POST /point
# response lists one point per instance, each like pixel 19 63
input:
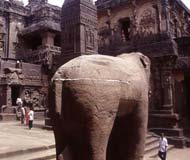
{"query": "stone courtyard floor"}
pixel 176 154
pixel 17 139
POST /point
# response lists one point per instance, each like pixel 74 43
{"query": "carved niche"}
pixel 147 22
pixel 13 75
pixel 36 97
pixel 89 36
pixel 2 35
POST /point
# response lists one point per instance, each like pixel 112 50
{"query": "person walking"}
pixel 31 118
pixel 163 144
pixel 23 113
pixel 19 102
pixel 27 115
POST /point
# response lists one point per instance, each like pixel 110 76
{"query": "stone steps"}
pixel 152 146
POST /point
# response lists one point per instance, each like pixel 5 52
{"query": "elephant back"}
pixel 100 67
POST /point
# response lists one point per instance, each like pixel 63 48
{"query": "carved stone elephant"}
pixel 100 107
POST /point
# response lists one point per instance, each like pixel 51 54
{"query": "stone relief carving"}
pixel 68 38
pixel 2 33
pixel 113 36
pixel 175 25
pixel 1 46
pixel 89 35
pixel 14 75
pixel 147 22
pixel 36 97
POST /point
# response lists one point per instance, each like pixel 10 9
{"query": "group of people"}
pixel 27 112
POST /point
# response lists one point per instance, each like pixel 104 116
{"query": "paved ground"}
pixel 177 154
pixel 15 137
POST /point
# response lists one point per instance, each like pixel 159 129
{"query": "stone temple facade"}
pixel 161 30
pixel 29 38
pixel 31 42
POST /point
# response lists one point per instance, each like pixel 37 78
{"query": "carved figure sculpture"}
pixel 101 107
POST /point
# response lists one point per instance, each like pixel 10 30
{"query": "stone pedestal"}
pixel 48 123
pixel 163 119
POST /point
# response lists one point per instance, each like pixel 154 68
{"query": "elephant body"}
pixel 101 107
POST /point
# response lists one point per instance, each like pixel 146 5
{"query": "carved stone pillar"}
pixel 134 18
pixel 156 89
pixel 48 38
pixel 9 99
pixel 167 89
pixel 166 10
pixel 157 7
pixel 79 28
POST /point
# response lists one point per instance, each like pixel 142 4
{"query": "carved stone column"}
pixel 157 7
pixel 167 89
pixel 9 99
pixel 79 28
pixel 134 18
pixel 48 38
pixel 156 88
pixel 167 83
pixel 166 10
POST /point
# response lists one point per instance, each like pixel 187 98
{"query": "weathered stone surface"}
pixel 101 105
pixel 160 30
pixel 25 54
pixel 79 27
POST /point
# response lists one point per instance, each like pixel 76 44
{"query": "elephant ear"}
pixel 145 61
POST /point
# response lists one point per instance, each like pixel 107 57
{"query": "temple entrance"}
pixel 15 93
pixel 125 28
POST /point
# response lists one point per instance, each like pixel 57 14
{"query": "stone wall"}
pixel 150 21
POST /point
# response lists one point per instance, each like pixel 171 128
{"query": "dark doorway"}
pixel 15 94
pixel 57 41
pixel 125 28
pixel 32 42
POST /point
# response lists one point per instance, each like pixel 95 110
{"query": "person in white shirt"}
pixel 31 117
pixel 19 102
pixel 163 144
